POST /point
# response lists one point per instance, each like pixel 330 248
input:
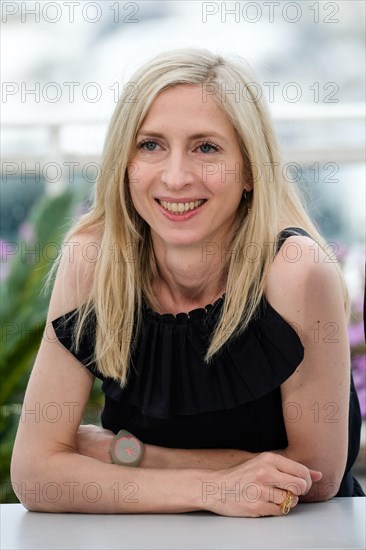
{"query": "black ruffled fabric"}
pixel 172 379
pixel 169 376
pixel 64 330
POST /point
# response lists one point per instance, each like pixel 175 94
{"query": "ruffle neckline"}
pixel 184 317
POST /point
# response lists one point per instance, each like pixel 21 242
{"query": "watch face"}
pixel 127 449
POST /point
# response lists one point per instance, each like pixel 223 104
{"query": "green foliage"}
pixel 18 195
pixel 23 317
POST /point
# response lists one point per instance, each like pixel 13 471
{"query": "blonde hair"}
pixel 120 282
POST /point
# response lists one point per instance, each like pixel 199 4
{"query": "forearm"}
pixel 220 459
pixel 69 482
pixel 209 459
pixel 95 442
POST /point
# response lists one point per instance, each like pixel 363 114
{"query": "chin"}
pixel 181 240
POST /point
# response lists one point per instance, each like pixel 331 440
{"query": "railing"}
pixel 308 118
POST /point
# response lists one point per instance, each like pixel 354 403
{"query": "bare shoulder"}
pixel 75 272
pixel 304 285
pixel 301 261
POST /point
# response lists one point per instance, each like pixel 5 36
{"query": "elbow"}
pixel 21 483
pixel 323 490
pixel 32 495
pixel 332 474
pixel 320 492
pixel 25 483
pixel 39 483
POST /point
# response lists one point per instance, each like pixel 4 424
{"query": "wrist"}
pixel 105 449
pixel 94 441
pixel 206 486
pixel 155 457
pixel 102 444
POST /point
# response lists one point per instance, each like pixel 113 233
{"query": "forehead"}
pixel 187 103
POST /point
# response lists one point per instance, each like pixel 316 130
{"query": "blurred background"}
pixel 63 67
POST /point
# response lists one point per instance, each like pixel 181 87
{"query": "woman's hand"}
pixel 95 442
pixel 257 487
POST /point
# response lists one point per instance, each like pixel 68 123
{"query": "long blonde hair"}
pixel 123 277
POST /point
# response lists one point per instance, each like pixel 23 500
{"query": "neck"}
pixel 189 276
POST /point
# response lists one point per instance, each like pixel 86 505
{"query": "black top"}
pixel 173 399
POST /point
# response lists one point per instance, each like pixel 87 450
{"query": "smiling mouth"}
pixel 181 207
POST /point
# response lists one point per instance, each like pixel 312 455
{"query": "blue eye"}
pixel 207 146
pixel 148 145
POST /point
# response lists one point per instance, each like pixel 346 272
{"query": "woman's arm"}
pixel 308 294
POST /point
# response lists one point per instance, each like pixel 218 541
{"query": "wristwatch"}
pixel 126 449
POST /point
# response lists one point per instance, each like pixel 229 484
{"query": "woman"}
pixel 223 355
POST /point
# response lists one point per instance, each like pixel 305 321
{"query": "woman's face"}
pixel 186 174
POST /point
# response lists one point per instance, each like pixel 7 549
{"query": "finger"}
pixel 280 496
pixel 300 474
pixel 276 491
pixel 292 467
pixel 271 508
pixel 315 475
pixel 297 485
pixel 288 466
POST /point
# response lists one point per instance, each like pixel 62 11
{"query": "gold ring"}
pixel 286 504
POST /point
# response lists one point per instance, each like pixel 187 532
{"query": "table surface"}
pixel 337 523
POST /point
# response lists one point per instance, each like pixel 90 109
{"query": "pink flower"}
pixel 356 334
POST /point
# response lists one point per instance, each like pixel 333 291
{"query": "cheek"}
pixel 132 173
pixel 138 176
pixel 138 185
pixel 226 184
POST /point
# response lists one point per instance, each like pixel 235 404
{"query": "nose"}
pixel 177 171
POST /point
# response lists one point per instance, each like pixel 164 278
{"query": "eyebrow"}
pixel 200 135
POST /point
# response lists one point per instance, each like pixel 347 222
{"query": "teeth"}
pixel 179 207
